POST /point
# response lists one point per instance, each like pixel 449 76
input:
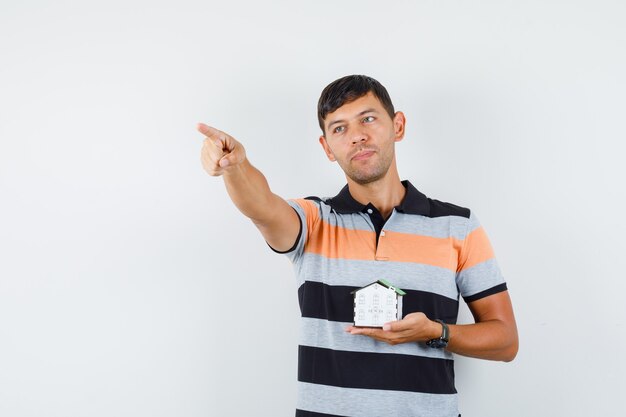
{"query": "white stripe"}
pixel 374 403
pixel 326 334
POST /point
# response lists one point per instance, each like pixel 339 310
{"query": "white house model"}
pixel 377 303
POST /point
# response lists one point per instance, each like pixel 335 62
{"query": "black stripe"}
pixel 415 202
pixel 486 293
pixel 304 413
pixel 382 371
pixel 442 209
pixel 335 303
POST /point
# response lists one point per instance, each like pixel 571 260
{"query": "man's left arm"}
pixel 493 336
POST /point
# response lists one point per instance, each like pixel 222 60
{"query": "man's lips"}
pixel 364 154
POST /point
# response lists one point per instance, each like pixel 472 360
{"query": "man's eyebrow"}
pixel 334 122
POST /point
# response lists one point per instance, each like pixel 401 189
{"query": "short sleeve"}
pixel 308 213
pixel 478 274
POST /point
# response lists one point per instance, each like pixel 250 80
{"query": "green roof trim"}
pixel 391 287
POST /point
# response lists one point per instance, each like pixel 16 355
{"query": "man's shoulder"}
pixel 416 202
pixel 441 208
pixel 316 199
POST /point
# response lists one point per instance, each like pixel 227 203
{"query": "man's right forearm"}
pixel 275 219
pixel 224 156
pixel 250 192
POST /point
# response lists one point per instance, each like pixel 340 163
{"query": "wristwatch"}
pixel 442 341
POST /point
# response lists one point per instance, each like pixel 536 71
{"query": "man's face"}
pixel 360 136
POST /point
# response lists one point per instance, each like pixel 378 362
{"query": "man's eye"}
pixel 369 119
pixel 339 129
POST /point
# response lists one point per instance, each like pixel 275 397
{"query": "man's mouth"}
pixel 364 154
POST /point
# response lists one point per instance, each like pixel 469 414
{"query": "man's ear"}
pixel 399 123
pixel 327 150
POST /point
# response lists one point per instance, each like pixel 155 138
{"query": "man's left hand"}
pixel 414 327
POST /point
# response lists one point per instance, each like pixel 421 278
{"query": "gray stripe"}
pixel 296 254
pixel 404 275
pixel 374 403
pixel 332 335
pixel 354 221
pixel 474 223
pixel 439 227
pixel 479 278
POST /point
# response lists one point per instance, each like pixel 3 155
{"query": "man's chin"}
pixel 365 179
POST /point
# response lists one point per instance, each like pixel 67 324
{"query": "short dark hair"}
pixel 347 89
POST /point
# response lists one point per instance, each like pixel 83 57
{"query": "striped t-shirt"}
pixel 434 251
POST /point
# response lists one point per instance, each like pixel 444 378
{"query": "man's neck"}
pixel 384 194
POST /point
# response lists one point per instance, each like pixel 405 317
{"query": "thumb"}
pixel 388 327
pixel 232 158
pixel 394 326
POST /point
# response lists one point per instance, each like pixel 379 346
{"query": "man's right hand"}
pixel 220 151
pixel 248 189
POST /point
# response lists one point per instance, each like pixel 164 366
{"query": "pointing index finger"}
pixel 214 135
pixel 210 132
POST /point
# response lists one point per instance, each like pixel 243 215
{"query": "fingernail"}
pixel 386 327
pixel 224 163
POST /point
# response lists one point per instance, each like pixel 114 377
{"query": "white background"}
pixel 131 286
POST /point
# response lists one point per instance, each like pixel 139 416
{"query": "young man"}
pixel 376 227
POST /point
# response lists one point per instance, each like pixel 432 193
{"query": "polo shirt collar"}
pixel 414 202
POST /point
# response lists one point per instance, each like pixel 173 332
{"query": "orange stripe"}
pixel 453 254
pixel 338 242
pixel 404 247
pixel 311 212
pixel 476 249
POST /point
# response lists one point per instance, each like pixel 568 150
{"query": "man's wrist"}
pixel 435 330
pixel 237 170
pixel 442 339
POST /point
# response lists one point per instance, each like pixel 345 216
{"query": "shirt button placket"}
pixel 381 254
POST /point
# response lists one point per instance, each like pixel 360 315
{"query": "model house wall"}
pixel 376 304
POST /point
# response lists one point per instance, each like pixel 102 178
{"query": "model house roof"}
pixel 385 284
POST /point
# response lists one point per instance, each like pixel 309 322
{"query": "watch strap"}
pixel 443 340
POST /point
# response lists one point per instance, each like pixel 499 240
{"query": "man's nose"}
pixel 358 136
